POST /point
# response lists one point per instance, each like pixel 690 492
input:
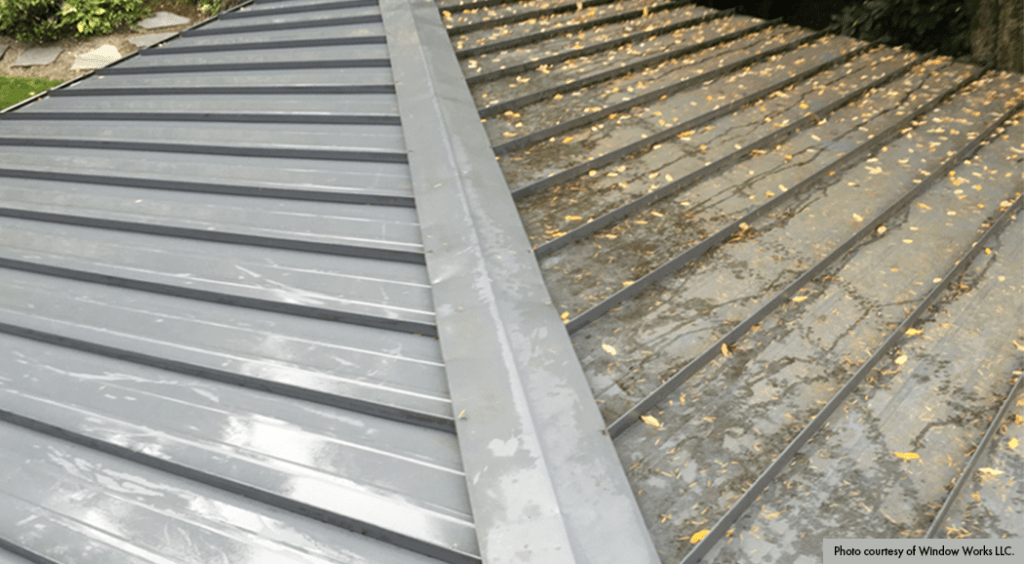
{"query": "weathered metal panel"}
pixel 736 236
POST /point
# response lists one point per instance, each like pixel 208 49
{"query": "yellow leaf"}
pixel 911 332
pixel 857 218
pixel 991 471
pixel 1019 346
pixel 682 399
pixel 573 218
pixel 568 139
pixel 725 350
pixel 988 251
pixel 1018 419
pixel 1013 443
pixel 923 206
pixel 565 315
pixel 901 360
pixel 907 455
pixel 799 299
pixel 651 420
pixel 609 349
pixel 881 229
pixel 698 535
pixel 803 106
pixel 908 241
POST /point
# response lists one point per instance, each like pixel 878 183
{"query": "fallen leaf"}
pixel 682 399
pixel 573 218
pixel 991 471
pixel 698 535
pixel 1013 443
pixel 799 299
pixel 651 420
pixel 923 206
pixel 1019 346
pixel 609 349
pixel 881 229
pixel 725 350
pixel 911 332
pixel 565 315
pixel 908 241
pixel 907 455
pixel 857 217
pixel 743 227
pixel 901 360
pixel 568 139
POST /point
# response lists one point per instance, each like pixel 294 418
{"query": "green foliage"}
pixel 14 90
pixel 924 25
pixel 50 20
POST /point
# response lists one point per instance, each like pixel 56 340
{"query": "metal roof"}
pixel 237 322
pixel 794 255
pixel 508 281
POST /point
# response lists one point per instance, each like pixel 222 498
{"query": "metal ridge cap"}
pixel 545 482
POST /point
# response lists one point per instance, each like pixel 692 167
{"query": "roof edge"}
pixel 545 482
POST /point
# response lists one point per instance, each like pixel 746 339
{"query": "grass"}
pixel 14 90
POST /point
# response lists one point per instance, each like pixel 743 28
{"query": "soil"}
pixel 60 69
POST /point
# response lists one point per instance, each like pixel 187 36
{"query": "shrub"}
pixel 925 25
pixel 49 20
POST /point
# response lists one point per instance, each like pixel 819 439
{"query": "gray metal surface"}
pixel 544 481
pixel 217 332
pixel 678 211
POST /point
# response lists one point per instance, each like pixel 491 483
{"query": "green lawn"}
pixel 14 90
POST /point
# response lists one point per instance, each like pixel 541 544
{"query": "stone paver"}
pixel 144 41
pixel 97 58
pixel 163 19
pixel 37 56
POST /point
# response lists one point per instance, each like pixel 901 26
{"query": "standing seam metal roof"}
pixel 266 296
pixel 782 256
pixel 224 282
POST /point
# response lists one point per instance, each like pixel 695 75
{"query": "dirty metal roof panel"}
pixel 266 298
pixel 777 253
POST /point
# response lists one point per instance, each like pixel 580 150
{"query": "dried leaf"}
pixel 991 471
pixel 799 299
pixel 565 315
pixel 651 420
pixel 907 455
pixel 698 535
pixel 911 332
pixel 857 217
pixel 573 218
pixel 568 139
pixel 881 229
pixel 1019 346
pixel 682 399
pixel 1013 443
pixel 908 241
pixel 923 206
pixel 609 349
pixel 725 350
pixel 901 360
